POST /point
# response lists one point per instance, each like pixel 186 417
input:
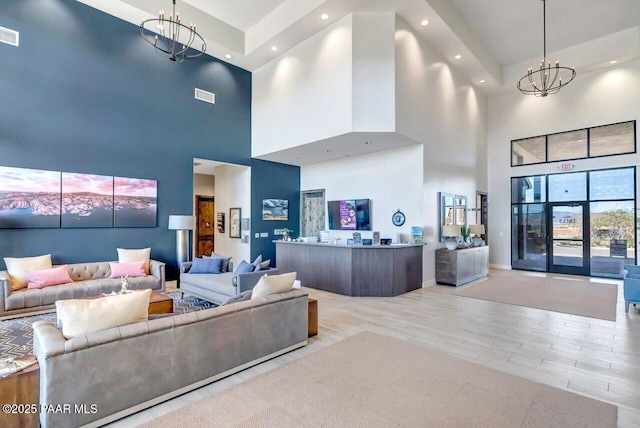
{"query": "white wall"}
pixel 304 95
pixel 437 106
pixel 233 190
pixel 391 179
pixel 373 75
pixel 597 98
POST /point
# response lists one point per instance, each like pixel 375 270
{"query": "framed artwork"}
pixel 235 222
pixel 87 200
pixel 29 198
pixel 275 209
pixel 135 202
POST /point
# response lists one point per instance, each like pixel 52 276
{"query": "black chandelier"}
pixel 547 79
pixel 167 39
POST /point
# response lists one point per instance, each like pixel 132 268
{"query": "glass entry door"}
pixel 568 242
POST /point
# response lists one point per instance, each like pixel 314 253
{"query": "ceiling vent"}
pixel 9 37
pixel 207 97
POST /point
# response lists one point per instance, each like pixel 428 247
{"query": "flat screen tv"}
pixel 349 214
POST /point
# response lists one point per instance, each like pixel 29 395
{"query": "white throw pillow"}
pixel 130 256
pixel 18 267
pixel 83 316
pixel 273 284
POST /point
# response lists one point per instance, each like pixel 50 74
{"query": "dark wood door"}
pixel 205 209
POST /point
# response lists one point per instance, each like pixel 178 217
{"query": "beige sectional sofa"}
pixel 126 369
pixel 89 279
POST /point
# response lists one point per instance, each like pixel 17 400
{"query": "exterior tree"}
pixel 616 224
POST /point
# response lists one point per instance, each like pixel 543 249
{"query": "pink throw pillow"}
pixel 127 269
pixel 47 277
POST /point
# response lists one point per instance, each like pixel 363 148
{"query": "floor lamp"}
pixel 182 224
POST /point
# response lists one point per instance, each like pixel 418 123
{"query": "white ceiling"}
pixel 498 40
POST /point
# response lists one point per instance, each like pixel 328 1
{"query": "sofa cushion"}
pixel 218 283
pixel 47 277
pixel 18 266
pixel 132 269
pixel 225 261
pixel 84 316
pixel 135 255
pixel 273 284
pixel 257 262
pixel 265 264
pixel 208 265
pixel 243 267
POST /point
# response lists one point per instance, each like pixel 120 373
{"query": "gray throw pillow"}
pixel 257 261
pixel 265 264
pixel 245 295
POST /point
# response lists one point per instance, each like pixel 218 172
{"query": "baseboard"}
pixel 429 283
pixel 502 267
pixel 185 389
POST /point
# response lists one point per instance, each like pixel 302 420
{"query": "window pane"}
pixel 528 189
pixel 612 227
pixel 612 184
pixel 528 247
pixel 568 187
pixel 612 139
pixel 528 150
pixel 568 145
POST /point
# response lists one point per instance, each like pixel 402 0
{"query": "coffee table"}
pixel 20 391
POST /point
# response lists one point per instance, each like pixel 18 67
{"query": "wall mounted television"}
pixel 349 214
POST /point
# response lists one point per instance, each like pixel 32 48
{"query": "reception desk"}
pixel 372 271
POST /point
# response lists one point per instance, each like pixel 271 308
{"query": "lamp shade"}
pixel 450 230
pixel 477 229
pixel 181 222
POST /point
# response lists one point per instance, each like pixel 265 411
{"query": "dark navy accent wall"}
pixel 275 181
pixel 84 93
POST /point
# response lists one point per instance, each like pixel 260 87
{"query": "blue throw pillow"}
pixel 206 266
pixel 243 267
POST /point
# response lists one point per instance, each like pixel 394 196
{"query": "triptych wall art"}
pixel 34 198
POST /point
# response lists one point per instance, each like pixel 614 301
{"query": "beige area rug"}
pixel 569 296
pixel 370 380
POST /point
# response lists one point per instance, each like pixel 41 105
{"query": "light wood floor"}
pixel 600 359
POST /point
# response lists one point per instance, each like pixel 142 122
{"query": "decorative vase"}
pixel 477 241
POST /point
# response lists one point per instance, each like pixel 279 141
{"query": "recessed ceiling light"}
pixel 367 142
pixel 615 61
pixel 457 57
pixel 228 56
pixel 324 16
pixel 482 81
pixel 274 48
pixel 424 22
pixel 297 158
pixel 328 151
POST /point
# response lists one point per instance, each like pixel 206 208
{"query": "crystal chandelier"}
pixel 164 34
pixel 547 79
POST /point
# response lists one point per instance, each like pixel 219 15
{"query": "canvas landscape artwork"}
pixel 275 209
pixel 135 202
pixel 29 198
pixel 87 200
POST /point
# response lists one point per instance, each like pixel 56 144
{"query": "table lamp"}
pixel 451 232
pixel 477 230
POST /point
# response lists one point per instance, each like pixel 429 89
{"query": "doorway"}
pixel 204 240
pixel 482 213
pixel 568 238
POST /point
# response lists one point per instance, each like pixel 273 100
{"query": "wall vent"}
pixel 9 37
pixel 207 97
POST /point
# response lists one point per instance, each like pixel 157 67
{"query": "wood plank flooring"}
pixel 592 357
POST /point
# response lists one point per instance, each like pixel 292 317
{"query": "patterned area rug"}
pixel 16 335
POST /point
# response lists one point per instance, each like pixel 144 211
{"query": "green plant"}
pixel 465 231
pixel 287 231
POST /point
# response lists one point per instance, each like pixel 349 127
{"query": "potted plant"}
pixel 286 233
pixel 465 233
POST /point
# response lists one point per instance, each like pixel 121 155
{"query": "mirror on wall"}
pixel 453 210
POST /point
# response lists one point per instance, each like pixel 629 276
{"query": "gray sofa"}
pixel 89 279
pixel 126 369
pixel 218 288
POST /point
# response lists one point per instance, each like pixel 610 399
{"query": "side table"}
pixel 21 388
pixel 313 317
